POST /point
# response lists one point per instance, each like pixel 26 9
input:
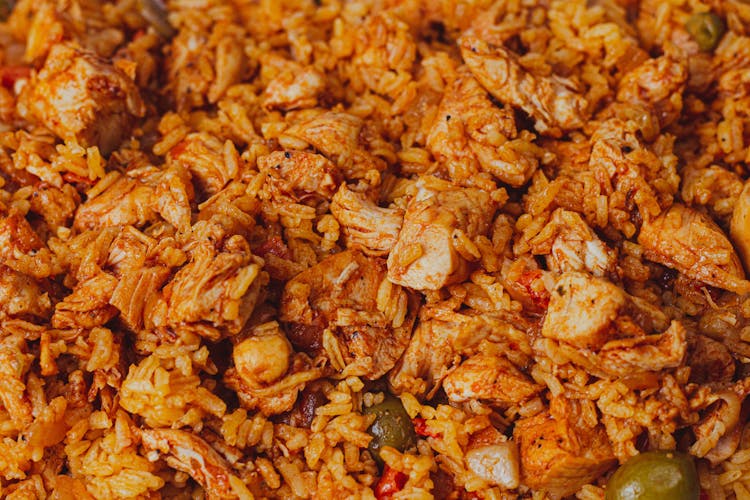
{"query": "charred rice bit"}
pixel 228 228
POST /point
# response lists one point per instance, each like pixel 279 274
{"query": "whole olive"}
pixel 706 28
pixel 655 475
pixel 392 427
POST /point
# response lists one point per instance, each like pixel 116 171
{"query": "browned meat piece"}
pixel 552 101
pixel 294 87
pixel 690 242
pixel 349 295
pixel 337 135
pixel 709 360
pixel 437 344
pixel 21 295
pixel 172 197
pixel 574 246
pixel 300 174
pixel 83 98
pixel 186 452
pixel 22 250
pixel 489 377
pixel 219 286
pixel 126 201
pixel 623 357
pixel 366 226
pixel 211 162
pixel 88 305
pixel 582 309
pixel 559 451
pixel 431 250
pixel 470 134
pixel 657 84
pixel 56 205
pixel 137 295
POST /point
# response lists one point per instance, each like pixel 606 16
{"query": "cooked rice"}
pixel 228 227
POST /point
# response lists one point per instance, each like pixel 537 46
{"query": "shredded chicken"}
pixel 739 227
pixel 192 455
pixel 434 247
pixel 551 100
pixel 83 98
pixel 470 134
pixel 691 243
pixel 560 450
pixel 366 226
pixel 300 174
pixel 348 295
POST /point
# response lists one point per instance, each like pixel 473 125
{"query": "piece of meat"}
pixel 187 452
pixel 83 98
pixel 658 85
pixel 22 250
pixel 137 295
pixel 172 197
pixel 431 248
pixel 438 342
pixel 552 101
pixel 349 294
pixel 739 226
pixel 574 246
pixel 219 286
pixel 624 357
pixel 300 174
pixel 582 309
pixel 56 205
pixel 489 377
pixel 366 226
pixel 560 452
pixel 690 242
pixel 212 163
pixel 22 296
pixel 494 459
pixel 127 201
pixel 337 136
pixel 709 360
pixel 470 134
pixel 88 305
pixel 294 88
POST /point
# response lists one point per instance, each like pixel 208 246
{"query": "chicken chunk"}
pixel 125 202
pixel 82 98
pixel 438 343
pixel 188 453
pixel 431 250
pixel 22 296
pixel 366 226
pixel 88 305
pixel 471 134
pixel 337 136
pixel 348 295
pixel 709 360
pixel 657 84
pixel 219 286
pixel 582 309
pixel 22 250
pixel 575 246
pixel 297 87
pixel 739 226
pixel 690 242
pixel 489 377
pixel 552 101
pixel 300 174
pixel 211 162
pixel 561 452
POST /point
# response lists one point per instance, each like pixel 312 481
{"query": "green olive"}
pixel 655 475
pixel 392 427
pixel 707 29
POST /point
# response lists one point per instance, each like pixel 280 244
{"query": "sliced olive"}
pixel 706 28
pixel 392 427
pixel 655 475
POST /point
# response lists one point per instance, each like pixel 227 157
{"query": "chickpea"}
pixel 262 359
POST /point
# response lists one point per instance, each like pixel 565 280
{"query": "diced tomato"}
pixel 9 75
pixel 539 295
pixel 391 482
pixel 420 427
pixel 274 246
